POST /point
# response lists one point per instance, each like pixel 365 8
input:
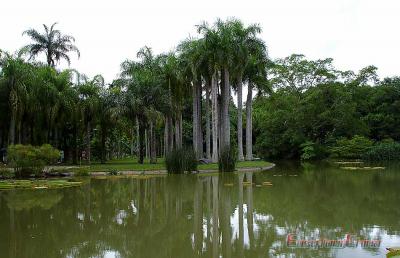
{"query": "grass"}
pixel 131 164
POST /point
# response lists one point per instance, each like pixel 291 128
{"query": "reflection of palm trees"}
pixel 241 238
pixel 198 216
pixel 215 235
pixel 249 176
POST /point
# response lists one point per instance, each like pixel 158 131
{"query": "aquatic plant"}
pixel 82 171
pixel 386 150
pixel 227 160
pixel 180 160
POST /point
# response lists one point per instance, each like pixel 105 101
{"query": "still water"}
pixel 226 215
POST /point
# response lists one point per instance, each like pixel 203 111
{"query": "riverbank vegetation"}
pixel 295 107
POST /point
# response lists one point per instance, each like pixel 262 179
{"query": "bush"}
pixel 353 148
pixel 28 159
pixel 113 172
pixel 307 151
pixel 82 171
pixel 181 160
pixel 383 151
pixel 5 173
pixel 227 160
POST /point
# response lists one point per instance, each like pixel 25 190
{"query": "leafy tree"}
pixel 52 43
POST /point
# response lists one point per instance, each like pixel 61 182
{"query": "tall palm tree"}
pixel 256 76
pixel 52 43
pixel 15 76
pixel 245 38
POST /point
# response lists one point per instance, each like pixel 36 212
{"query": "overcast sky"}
pixel 356 33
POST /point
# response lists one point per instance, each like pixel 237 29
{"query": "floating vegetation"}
pixel 36 184
pixel 277 175
pixel 362 168
pixel 348 162
pixel 228 184
pixel 267 184
pixel 292 175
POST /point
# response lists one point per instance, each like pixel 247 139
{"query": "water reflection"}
pixel 228 215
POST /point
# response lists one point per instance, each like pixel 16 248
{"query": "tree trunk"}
pixel 103 145
pixel 208 132
pixel 146 140
pixel 141 141
pixel 132 138
pixel 214 116
pixel 225 92
pixel 240 118
pixel 11 137
pixel 88 142
pixel 178 130
pixel 170 135
pixel 199 123
pixel 249 124
pixel 195 120
pixel 153 153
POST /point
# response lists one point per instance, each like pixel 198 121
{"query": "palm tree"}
pixel 191 56
pixel 52 43
pixel 245 38
pixel 15 75
pixel 256 76
pixel 89 95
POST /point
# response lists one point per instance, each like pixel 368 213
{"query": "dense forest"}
pixel 295 107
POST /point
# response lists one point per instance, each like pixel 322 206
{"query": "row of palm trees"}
pixel 151 94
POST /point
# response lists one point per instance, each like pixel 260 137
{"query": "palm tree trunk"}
pixel 153 153
pixel 11 137
pixel 195 120
pixel 146 139
pixel 141 141
pixel 240 122
pixel 199 123
pixel 132 137
pixel 225 111
pixel 214 116
pixel 208 132
pixel 170 134
pixel 178 130
pixel 103 145
pixel 88 142
pixel 249 124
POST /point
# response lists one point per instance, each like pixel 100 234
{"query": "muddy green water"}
pixel 206 216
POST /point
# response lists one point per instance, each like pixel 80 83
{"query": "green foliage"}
pixel 112 172
pixel 82 171
pixel 181 160
pixel 5 173
pixel 382 151
pixel 28 159
pixel 353 148
pixel 227 160
pixel 308 151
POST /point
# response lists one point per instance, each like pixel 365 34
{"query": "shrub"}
pixel 227 160
pixel 181 160
pixel 112 172
pixel 82 171
pixel 383 151
pixel 307 151
pixel 353 148
pixel 5 173
pixel 28 159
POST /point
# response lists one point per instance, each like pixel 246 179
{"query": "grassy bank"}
pixel 131 164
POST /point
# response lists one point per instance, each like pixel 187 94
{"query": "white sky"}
pixel 356 33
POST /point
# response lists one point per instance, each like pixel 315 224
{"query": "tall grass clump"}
pixel 181 160
pixel 383 151
pixel 227 160
pixel 27 159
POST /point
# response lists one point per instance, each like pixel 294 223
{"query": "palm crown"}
pixel 52 43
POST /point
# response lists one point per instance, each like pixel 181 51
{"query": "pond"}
pixel 227 215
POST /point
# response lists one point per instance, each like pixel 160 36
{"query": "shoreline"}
pixel 164 171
